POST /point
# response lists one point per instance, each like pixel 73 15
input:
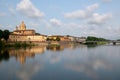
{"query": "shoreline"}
pixel 30 44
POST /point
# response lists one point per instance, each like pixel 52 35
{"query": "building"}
pixel 55 37
pixel 77 39
pixel 67 38
pixel 21 34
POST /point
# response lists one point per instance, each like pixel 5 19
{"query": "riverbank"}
pixel 47 43
pixel 96 43
pixel 25 44
pixel 15 44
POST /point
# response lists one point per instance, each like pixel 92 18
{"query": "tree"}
pixel 91 38
pixel 118 40
pixel 48 39
pixel 6 34
pixel 57 39
pixel 1 34
pixel 37 33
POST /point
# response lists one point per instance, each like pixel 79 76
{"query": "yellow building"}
pixel 62 38
pixel 23 34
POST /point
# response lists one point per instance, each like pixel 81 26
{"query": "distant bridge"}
pixel 112 41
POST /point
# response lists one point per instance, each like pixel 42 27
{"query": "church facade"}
pixel 21 34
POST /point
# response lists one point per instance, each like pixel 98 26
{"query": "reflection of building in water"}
pixel 23 34
pixel 23 54
pixel 73 46
pixel 64 46
pixel 55 47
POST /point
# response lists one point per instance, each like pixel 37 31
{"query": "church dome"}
pixel 22 26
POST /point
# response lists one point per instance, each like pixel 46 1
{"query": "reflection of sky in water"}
pixel 25 72
pixel 71 63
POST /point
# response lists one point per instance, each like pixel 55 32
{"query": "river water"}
pixel 65 62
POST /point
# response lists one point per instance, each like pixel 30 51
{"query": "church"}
pixel 21 34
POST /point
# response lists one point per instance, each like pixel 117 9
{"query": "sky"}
pixel 98 18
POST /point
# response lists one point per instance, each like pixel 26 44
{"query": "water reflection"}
pixel 22 54
pixel 26 71
pixel 62 47
pixel 55 47
pixel 89 67
pixel 4 55
pixel 64 62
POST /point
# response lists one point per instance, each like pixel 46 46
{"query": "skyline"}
pixel 98 18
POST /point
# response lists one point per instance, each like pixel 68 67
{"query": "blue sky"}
pixel 98 18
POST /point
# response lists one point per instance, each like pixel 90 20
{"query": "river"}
pixel 65 62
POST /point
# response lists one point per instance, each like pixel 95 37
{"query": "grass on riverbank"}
pixel 96 43
pixel 16 44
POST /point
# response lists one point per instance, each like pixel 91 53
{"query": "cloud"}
pixel 26 8
pixel 76 14
pixel 2 14
pixel 93 33
pixel 89 14
pixel 81 13
pixel 55 22
pixel 99 19
pixel 115 31
pixel 91 21
pixel 92 7
pixel 28 70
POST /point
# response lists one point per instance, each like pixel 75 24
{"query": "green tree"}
pixel 1 34
pixel 47 39
pixel 6 34
pixel 57 39
pixel 91 38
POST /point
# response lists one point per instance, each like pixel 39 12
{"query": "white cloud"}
pixel 76 14
pixel 89 15
pixel 100 19
pixel 92 23
pixel 26 8
pixel 55 22
pixel 26 72
pixel 82 13
pixel 92 7
pixel 93 33
pixel 2 14
pixel 115 31
pixel 109 28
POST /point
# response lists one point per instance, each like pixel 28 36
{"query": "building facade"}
pixel 21 34
pixel 62 38
pixel 77 39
